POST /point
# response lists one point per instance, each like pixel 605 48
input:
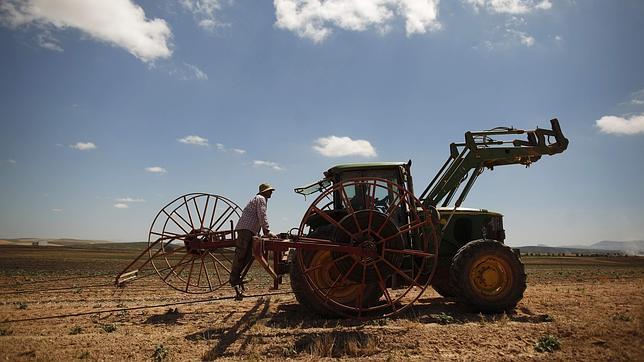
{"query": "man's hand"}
pixel 270 236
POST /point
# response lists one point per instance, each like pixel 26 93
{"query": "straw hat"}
pixel 264 188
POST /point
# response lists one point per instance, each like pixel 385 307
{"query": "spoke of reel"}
pixel 344 277
pixel 205 210
pixel 220 217
pixel 383 287
pixel 207 272
pixel 219 262
pixel 172 271
pixel 349 208
pixel 400 272
pixel 308 270
pixel 175 221
pixel 190 273
pixel 326 217
pixel 185 202
pixel 214 211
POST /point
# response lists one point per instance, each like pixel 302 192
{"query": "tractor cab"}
pixel 386 178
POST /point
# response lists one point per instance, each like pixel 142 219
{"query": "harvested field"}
pixel 593 308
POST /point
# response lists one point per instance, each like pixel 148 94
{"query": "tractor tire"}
pixel 488 276
pixel 441 282
pixel 308 297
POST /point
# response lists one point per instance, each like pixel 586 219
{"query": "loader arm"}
pixel 480 151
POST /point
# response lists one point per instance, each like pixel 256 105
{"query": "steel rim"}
pixel 490 277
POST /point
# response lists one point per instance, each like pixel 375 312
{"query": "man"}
pixel 253 219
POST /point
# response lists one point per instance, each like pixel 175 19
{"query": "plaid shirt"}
pixel 254 217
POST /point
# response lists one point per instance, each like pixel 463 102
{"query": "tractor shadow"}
pixel 227 336
pixel 448 311
pixel 425 310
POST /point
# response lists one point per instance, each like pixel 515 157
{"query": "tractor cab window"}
pixel 367 196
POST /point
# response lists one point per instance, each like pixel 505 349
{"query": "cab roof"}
pixel 362 166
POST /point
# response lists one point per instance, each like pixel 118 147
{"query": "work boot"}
pixel 239 292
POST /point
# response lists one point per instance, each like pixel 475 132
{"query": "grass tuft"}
pixel 75 330
pixel 5 332
pixel 547 343
pixel 623 317
pixel 160 353
pixel 21 305
pixel 109 328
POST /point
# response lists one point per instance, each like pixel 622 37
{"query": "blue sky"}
pixel 220 95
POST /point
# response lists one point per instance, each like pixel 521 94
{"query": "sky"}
pixel 111 109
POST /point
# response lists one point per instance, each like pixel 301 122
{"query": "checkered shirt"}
pixel 254 217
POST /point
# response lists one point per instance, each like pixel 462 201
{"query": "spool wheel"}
pixel 176 236
pixel 397 233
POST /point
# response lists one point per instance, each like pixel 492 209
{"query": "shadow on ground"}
pixel 228 336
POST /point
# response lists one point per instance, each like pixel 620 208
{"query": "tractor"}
pixel 366 247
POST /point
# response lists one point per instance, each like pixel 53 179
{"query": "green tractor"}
pixel 473 264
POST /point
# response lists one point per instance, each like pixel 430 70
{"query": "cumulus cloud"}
pixel 204 12
pixel 619 125
pixel 239 151
pixel 273 165
pixel 57 210
pixel 156 169
pixel 194 140
pixel 121 206
pixel 221 147
pixel 334 146
pixel 13 162
pixel 83 146
pixel 315 19
pixel 118 22
pixel 128 199
pixel 510 6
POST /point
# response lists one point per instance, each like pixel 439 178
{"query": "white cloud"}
pixel 525 38
pixel 315 19
pixel 187 71
pixel 48 41
pixel 619 125
pixel 220 146
pixel 129 199
pixel 121 206
pixel 83 146
pixel 194 140
pixel 334 146
pixel 510 6
pixel 156 169
pixel 118 22
pixel 13 162
pixel 637 98
pixel 239 151
pixel 57 210
pixel 273 165
pixel 204 12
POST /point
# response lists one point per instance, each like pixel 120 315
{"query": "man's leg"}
pixel 243 254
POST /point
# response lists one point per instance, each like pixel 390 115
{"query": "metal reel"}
pixel 398 233
pixel 181 238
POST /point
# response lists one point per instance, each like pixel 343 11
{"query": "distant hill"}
pixel 628 247
pixel 613 247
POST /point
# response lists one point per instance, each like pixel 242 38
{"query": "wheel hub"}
pixel 490 277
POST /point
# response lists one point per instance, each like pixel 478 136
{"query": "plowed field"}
pixel 592 307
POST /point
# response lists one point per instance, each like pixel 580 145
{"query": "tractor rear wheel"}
pixel 488 275
pixel 398 242
pixel 325 276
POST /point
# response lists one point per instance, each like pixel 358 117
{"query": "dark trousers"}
pixel 243 255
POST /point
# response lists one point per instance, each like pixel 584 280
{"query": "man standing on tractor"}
pixel 253 219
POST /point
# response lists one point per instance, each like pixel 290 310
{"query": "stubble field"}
pixel 593 308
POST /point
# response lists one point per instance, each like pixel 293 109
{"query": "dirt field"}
pixel 593 308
